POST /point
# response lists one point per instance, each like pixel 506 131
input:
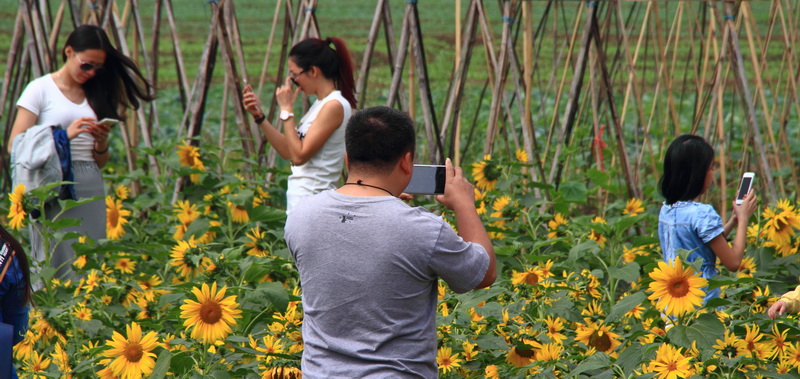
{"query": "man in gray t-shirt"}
pixel 369 264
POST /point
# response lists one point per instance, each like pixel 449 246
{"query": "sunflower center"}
pixel 671 366
pixel 133 352
pixel 446 361
pixel 210 312
pixel 600 341
pixel 531 278
pixel 492 171
pixel 525 353
pixel 113 217
pixel 678 287
pixel 780 224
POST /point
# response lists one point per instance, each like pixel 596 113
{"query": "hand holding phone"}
pixel 108 121
pixel 426 180
pixel 745 186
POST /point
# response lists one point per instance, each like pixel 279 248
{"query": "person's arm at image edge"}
pixel 459 197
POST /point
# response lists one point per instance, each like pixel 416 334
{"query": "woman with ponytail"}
pixel 95 82
pixel 315 143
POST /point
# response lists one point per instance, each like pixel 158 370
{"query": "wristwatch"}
pixel 285 115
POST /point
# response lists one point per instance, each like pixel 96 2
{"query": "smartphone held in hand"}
pixel 109 121
pixel 426 180
pixel 745 186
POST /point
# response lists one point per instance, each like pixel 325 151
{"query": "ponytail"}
pixel 345 80
pixel 334 62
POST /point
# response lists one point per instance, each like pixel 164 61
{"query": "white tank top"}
pixel 324 169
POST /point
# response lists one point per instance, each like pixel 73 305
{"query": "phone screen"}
pixel 745 187
pixel 426 180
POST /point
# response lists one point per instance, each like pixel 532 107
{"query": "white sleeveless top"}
pixel 324 169
pixel 44 99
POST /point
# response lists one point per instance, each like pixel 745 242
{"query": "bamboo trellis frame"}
pixel 646 60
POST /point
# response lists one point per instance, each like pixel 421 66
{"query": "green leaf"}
pixel 162 364
pixel 573 192
pixel 276 294
pixel 582 249
pixel 599 178
pixel 489 342
pixel 630 357
pixel 267 214
pixel 628 273
pixel 625 304
pixel 473 298
pixel 705 330
pixel 594 362
pixel 256 271
pixel 197 228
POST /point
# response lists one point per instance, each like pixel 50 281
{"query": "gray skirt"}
pixel 92 215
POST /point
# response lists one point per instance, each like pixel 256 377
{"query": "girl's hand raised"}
pixel 285 95
pixel 743 211
pixel 250 101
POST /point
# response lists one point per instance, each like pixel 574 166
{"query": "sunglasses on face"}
pixel 86 66
pixel 294 77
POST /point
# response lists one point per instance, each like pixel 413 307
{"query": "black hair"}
pixel 119 84
pixel 377 137
pixel 685 167
pixel 334 62
pixel 22 261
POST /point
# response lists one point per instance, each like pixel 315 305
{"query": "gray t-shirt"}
pixel 369 268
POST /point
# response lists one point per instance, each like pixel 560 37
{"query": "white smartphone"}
pixel 109 121
pixel 426 180
pixel 745 186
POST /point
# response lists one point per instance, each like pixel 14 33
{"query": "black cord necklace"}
pixel 361 183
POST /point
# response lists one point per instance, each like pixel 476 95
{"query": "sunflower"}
pixel 115 218
pixel 122 192
pixel 16 213
pixel 80 262
pixel 598 337
pixel 281 372
pixel 726 347
pixel 633 207
pixel 491 372
pixel 272 345
pixel 469 350
pixel 781 222
pixel 593 309
pixel 259 246
pixel 678 289
pixel 132 356
pixel 486 173
pixel 182 258
pixel 523 353
pixel 500 215
pixel 554 224
pixel 447 360
pixel 186 211
pixel 238 213
pixel 530 276
pixel 670 363
pixel 125 265
pixel 778 340
pixel 550 352
pixel 522 156
pixel 481 205
pixel 212 315
pixel 554 328
pixel 749 346
pixel 60 358
pixel 190 156
pixel 37 363
pixel 82 313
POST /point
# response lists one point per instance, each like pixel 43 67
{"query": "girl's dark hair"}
pixel 685 167
pixel 119 84
pixel 21 259
pixel 334 62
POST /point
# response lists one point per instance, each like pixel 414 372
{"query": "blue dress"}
pixel 13 310
pixel 690 225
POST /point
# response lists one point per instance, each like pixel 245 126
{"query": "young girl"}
pixel 96 81
pixel 686 224
pixel 15 291
pixel 315 144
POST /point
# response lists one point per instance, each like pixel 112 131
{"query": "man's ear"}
pixel 346 162
pixel 406 163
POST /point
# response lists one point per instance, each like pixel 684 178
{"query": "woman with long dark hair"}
pixel 315 144
pixel 15 288
pixel 96 81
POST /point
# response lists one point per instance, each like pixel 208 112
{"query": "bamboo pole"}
pixel 574 95
pixel 264 67
pixel 366 59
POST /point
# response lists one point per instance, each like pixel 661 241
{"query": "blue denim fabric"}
pixel 691 226
pixel 12 310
